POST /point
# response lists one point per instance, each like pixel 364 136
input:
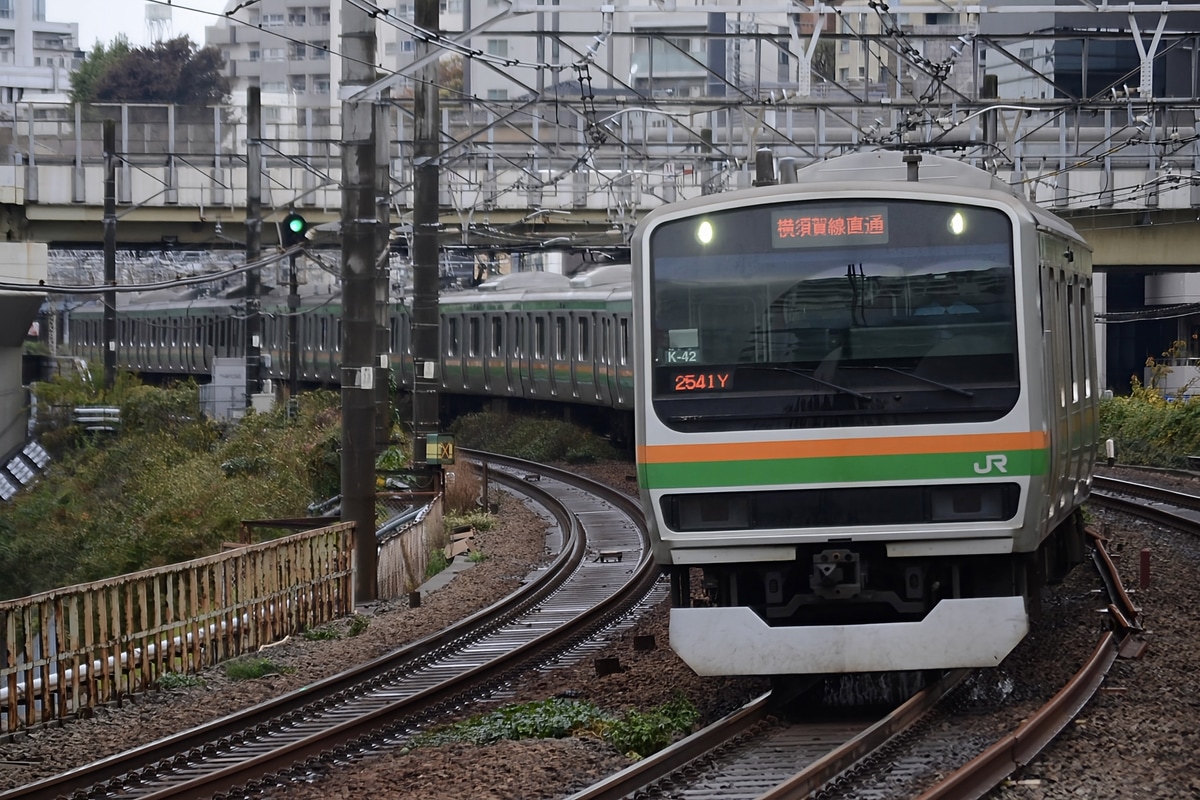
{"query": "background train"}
pixel 867 415
pixel 541 340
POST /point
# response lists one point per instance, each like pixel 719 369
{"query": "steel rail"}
pixel 984 772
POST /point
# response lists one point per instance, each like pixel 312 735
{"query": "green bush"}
pixel 555 718
pixel 178 680
pixel 531 438
pixel 634 733
pixel 1149 430
pixel 321 634
pixel 246 669
pixel 643 733
pixel 168 487
pixel 359 624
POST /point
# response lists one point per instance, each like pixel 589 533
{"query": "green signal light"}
pixel 294 229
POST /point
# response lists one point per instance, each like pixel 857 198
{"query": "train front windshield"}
pixel 833 313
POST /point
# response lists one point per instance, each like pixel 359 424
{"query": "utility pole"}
pixel 426 224
pixel 253 240
pixel 359 262
pixel 293 306
pixel 383 192
pixel 110 253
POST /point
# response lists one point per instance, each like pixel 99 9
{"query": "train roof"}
pixel 854 170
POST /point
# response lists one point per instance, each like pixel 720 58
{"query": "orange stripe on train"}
pixel 825 448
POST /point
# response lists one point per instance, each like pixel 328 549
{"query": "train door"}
pixel 521 356
pixel 621 386
pixel 604 359
pixel 562 367
pixel 494 380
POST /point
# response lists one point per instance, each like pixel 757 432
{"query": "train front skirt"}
pixel 966 632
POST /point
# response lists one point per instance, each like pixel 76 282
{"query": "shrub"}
pixel 242 669
pixel 323 633
pixel 643 733
pixel 359 624
pixel 178 680
pixel 531 438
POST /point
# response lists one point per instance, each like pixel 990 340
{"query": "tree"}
pixel 174 71
pixel 95 64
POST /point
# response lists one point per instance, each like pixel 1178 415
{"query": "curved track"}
pixel 745 754
pixel 382 702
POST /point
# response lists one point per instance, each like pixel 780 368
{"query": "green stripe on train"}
pixel 847 469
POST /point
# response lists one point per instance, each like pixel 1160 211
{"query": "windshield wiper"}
pixel 930 381
pixel 813 378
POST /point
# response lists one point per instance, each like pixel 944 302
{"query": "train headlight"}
pixel 704 232
pixel 957 223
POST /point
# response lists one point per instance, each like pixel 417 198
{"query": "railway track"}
pixel 750 754
pixel 601 575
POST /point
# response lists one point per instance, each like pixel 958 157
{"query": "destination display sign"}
pixel 815 226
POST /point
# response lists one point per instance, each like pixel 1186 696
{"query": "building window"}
pixel 273 54
pixel 6 9
pixel 254 55
pixel 272 20
pixel 497 94
pixel 389 48
pixel 296 16
pixel 321 15
pixel 497 47
pixel 406 46
pixel 321 85
pixel 273 87
pixel 297 52
pixel 318 51
pixel 299 83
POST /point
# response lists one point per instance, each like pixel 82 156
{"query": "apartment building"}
pixel 36 55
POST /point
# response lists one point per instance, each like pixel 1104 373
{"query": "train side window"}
pixel 560 337
pixel 519 336
pixel 474 344
pixel 605 341
pixel 323 344
pixel 539 337
pixel 1084 338
pixel 393 334
pixel 1072 348
pixel 337 341
pixel 497 336
pixel 451 336
pixel 623 345
pixel 585 344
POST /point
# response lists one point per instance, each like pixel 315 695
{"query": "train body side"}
pixel 547 341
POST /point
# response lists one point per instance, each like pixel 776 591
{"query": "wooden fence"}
pixel 68 650
pixel 404 553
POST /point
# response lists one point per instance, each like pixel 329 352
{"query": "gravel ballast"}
pixel 1136 739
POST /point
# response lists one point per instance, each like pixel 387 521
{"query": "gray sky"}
pixel 103 20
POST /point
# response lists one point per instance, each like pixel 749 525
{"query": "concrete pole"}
pixel 383 187
pixel 253 241
pixel 110 253
pixel 426 224
pixel 358 297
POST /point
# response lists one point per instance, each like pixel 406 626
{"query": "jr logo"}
pixel 997 461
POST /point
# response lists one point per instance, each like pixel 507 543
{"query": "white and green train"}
pixel 538 339
pixel 866 417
